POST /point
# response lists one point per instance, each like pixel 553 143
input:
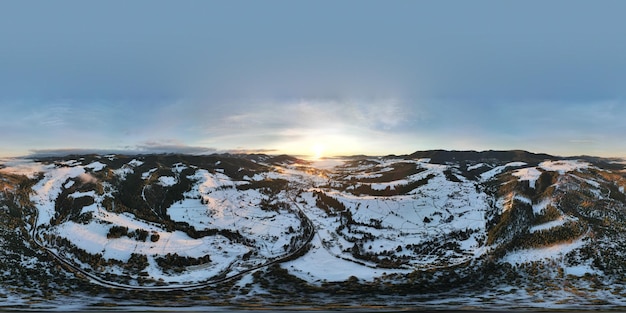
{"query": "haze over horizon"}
pixel 317 78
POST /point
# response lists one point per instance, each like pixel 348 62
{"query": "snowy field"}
pixel 223 207
pixel 244 225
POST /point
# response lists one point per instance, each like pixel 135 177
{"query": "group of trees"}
pixel 147 199
pixel 588 205
pixel 70 208
pixel 176 263
pixel 548 214
pixel 265 186
pixel 138 234
pixel 546 237
pixel 327 203
pixel 15 193
pixel 512 230
pixel 511 223
pixel 507 184
pixel 384 259
pixel 399 189
pixel 440 246
pixel 399 171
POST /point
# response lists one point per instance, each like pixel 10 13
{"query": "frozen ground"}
pixel 438 224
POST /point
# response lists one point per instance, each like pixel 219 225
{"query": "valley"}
pixel 433 225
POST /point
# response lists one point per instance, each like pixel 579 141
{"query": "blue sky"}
pixel 345 77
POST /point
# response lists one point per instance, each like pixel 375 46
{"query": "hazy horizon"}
pixel 311 78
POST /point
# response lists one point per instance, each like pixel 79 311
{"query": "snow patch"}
pixel 47 190
pixel 392 184
pixel 167 181
pixel 135 163
pixel 96 166
pixel 537 208
pixel 475 166
pixel 556 223
pixel 552 252
pixel 178 168
pixel 564 166
pixel 127 168
pixel 69 184
pixel 78 194
pixel 530 174
pixel 320 265
pixel 499 169
pixel 579 270
pixel 147 174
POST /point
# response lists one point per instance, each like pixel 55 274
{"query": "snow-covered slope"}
pixel 162 222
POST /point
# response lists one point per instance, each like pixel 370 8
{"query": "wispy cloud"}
pixel 40 153
pixel 55 115
pixel 366 125
pixel 250 151
pixel 172 146
pixel 145 148
pixel 290 117
pixel 296 125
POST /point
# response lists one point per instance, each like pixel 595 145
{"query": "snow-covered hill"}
pixel 441 219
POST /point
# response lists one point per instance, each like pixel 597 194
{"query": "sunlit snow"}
pixel 530 174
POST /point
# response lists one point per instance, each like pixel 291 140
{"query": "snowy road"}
pixel 105 283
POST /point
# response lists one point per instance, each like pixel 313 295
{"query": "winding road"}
pixel 93 278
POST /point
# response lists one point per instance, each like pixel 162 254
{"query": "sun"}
pixel 318 151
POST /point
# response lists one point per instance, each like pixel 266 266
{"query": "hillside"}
pixel 445 228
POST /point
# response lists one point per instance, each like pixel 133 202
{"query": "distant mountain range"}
pixel 431 229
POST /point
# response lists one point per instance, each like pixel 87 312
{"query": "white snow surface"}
pixel 128 168
pixel 47 189
pixel 556 223
pixel 580 270
pixel 552 252
pixel 435 210
pixel 499 169
pixel 167 181
pixel 563 166
pixel 475 166
pixel 531 174
pixel 135 163
pixel 69 184
pixel 320 265
pixel 538 207
pixel 147 174
pixel 96 166
pixel 229 208
pixel 92 238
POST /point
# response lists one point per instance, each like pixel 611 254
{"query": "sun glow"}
pixel 318 145
pixel 318 151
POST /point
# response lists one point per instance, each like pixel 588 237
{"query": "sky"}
pixel 318 78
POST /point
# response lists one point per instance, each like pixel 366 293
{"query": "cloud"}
pixel 294 125
pixel 171 146
pixel 43 153
pixel 251 151
pixel 21 167
pixel 146 148
pixel 51 116
pixel 20 114
pixel 289 118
